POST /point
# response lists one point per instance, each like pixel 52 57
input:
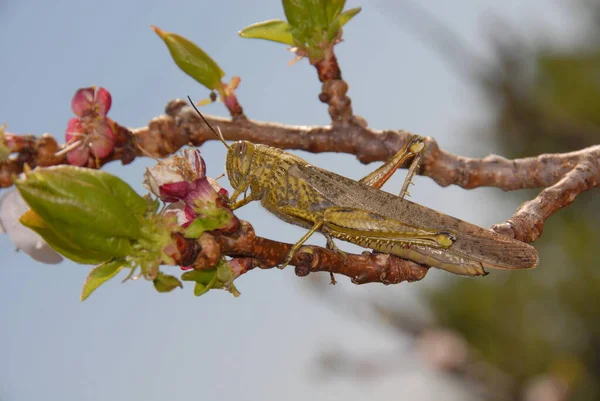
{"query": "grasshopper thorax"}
pixel 239 162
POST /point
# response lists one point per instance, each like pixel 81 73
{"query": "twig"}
pixel 334 89
pixel 164 135
pixel 234 107
pixel 527 224
pixel 182 125
pixel 362 269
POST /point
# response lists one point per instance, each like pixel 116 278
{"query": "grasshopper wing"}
pixel 473 243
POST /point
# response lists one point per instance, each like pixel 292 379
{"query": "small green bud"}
pixel 312 26
pixel 273 30
pixel 100 275
pixel 220 277
pixel 166 283
pixel 89 215
pixel 192 60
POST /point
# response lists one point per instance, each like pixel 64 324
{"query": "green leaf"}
pixel 225 277
pixel 298 15
pixel 273 30
pixel 166 283
pixel 100 275
pixel 84 198
pixel 348 15
pixel 333 31
pixel 334 8
pixel 218 219
pixel 201 289
pixel 200 276
pixel 316 24
pixel 33 221
pixel 192 60
pixel 84 210
pixel 212 279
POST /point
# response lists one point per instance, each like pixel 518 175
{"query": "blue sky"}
pixel 128 342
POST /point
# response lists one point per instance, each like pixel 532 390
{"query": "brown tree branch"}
pixel 362 269
pixel 527 224
pixel 334 88
pixel 234 107
pixel 164 135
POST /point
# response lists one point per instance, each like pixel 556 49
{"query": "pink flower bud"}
pixel 181 178
pixel 79 156
pixel 83 100
pixel 74 130
pixel 92 129
pixel 102 141
pixel 234 83
pixel 175 178
pixel 103 101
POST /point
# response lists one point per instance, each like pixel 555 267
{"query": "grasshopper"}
pixel 360 213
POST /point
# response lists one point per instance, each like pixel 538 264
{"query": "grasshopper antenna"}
pixel 218 134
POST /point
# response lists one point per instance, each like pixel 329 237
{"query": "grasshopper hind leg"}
pixel 333 247
pixel 417 148
pixel 414 148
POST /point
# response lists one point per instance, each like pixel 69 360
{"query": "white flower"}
pixel 12 206
pixel 177 209
pixel 175 174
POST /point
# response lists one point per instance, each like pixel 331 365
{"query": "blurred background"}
pixel 512 78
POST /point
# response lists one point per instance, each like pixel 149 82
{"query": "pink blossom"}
pixel 182 178
pixel 181 181
pixel 91 131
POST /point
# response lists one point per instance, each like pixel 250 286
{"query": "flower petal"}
pixel 103 140
pixel 83 101
pixel 195 168
pixel 174 190
pixel 204 191
pixel 161 174
pixel 12 206
pixel 74 130
pixel 103 128
pixel 150 182
pixel 190 213
pixel 220 190
pixel 234 83
pixel 103 101
pixel 176 177
pixel 101 147
pixel 177 209
pixel 79 156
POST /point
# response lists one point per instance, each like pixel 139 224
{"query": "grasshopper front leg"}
pixel 246 185
pixel 299 244
pixel 414 148
pixel 310 217
pixel 233 202
pixel 239 204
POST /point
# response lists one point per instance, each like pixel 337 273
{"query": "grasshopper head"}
pixel 239 162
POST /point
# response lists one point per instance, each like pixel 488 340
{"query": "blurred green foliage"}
pixel 547 320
